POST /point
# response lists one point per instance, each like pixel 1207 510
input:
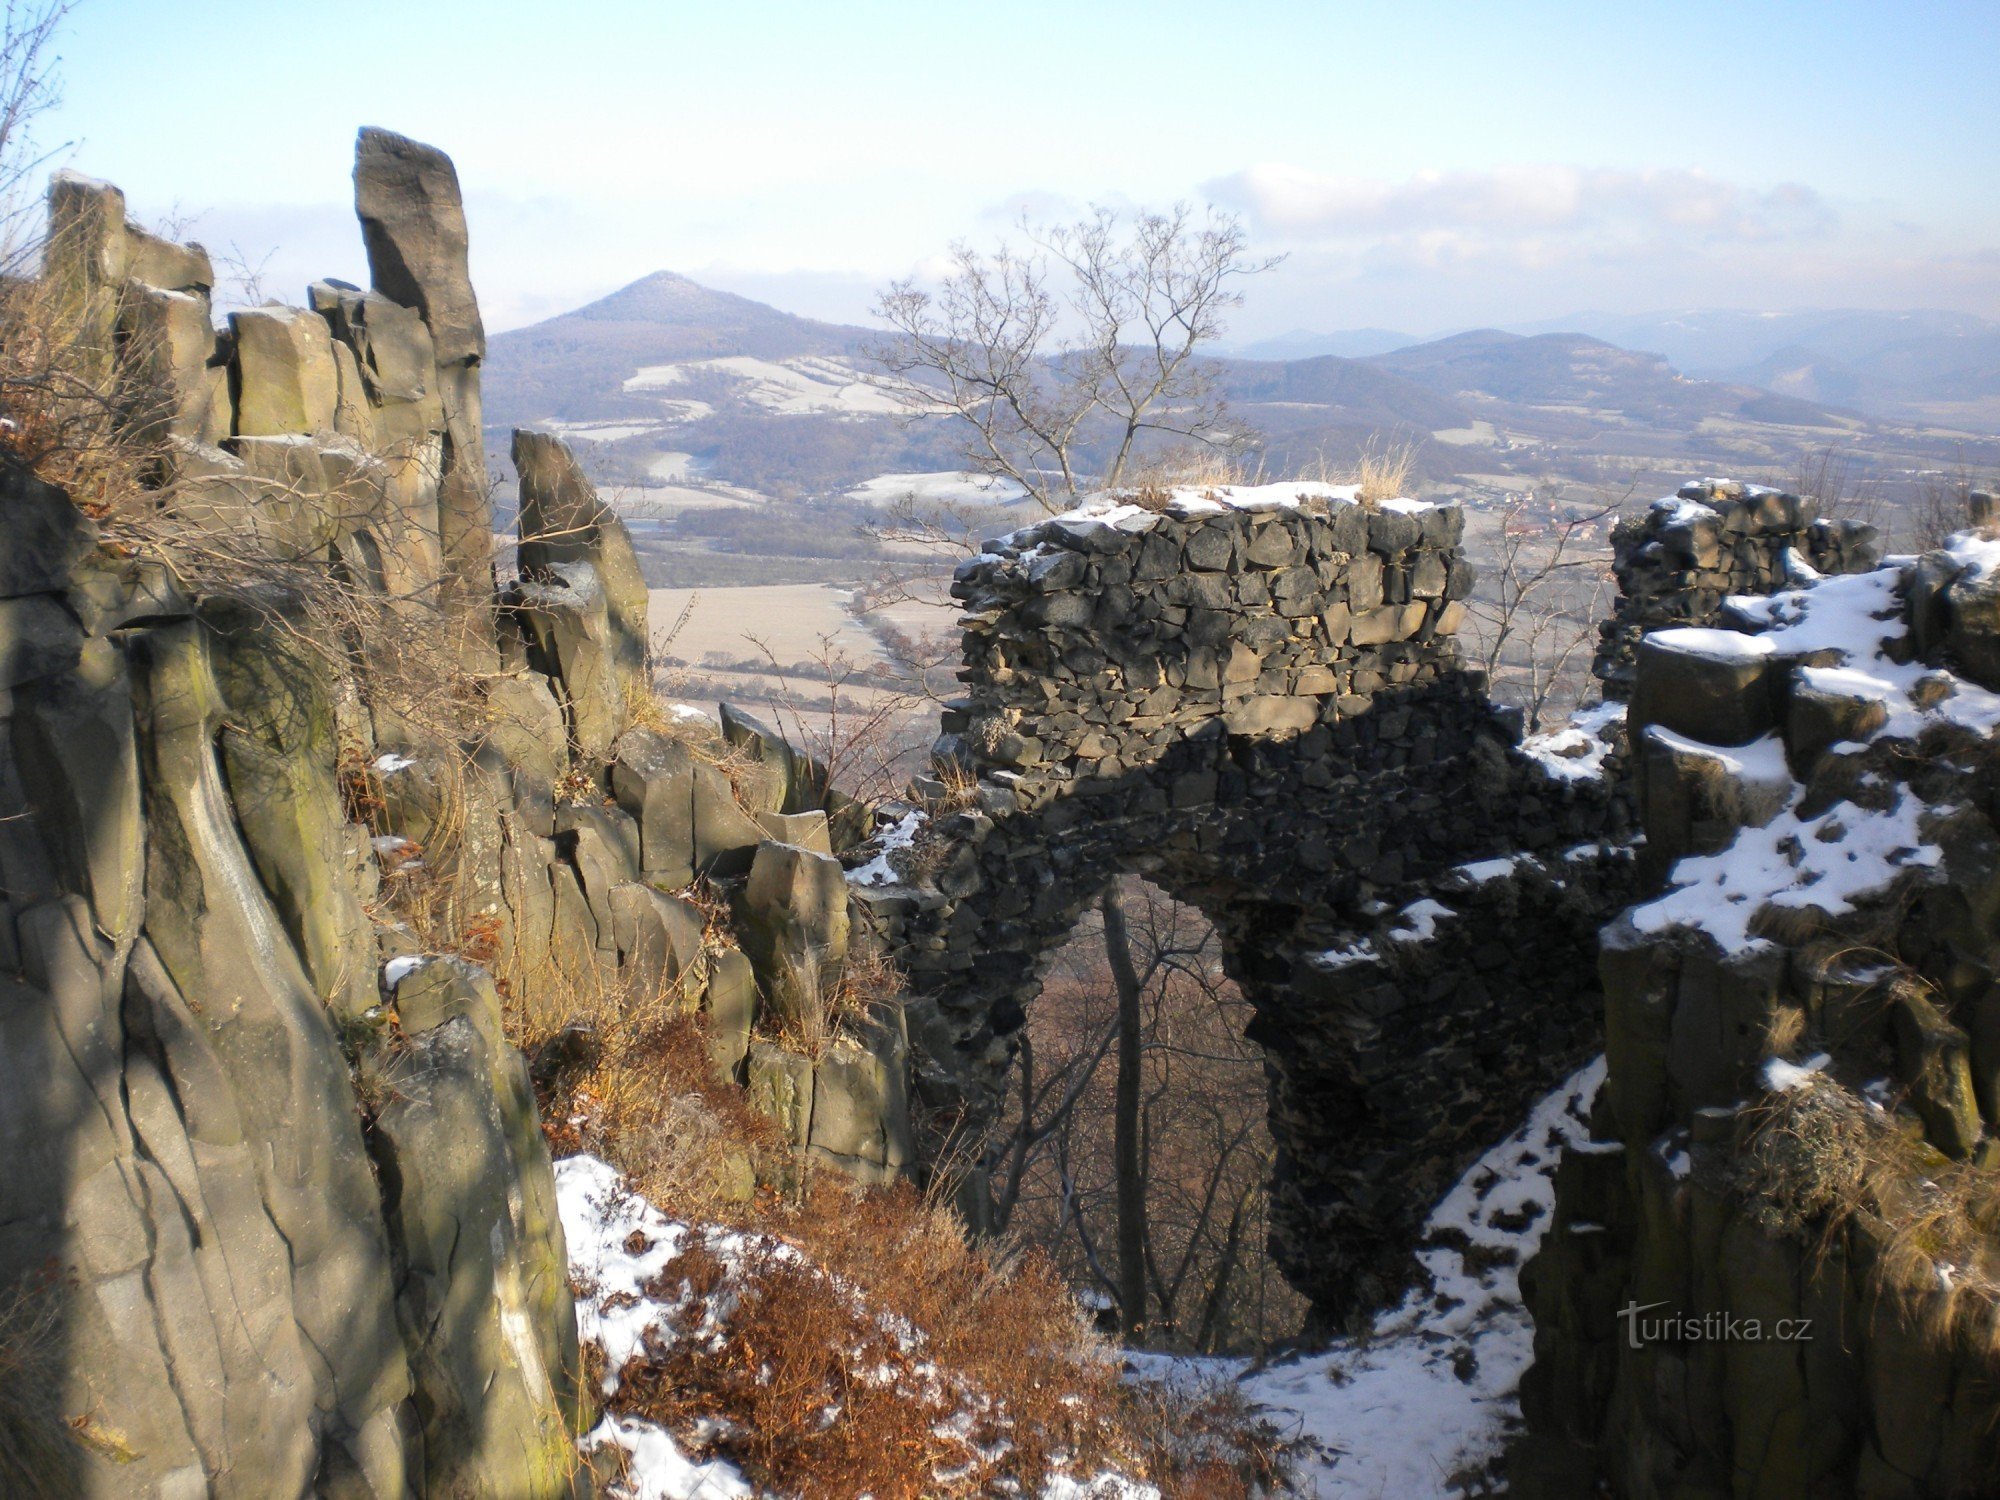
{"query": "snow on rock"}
pixel 1680 511
pixel 1115 509
pixel 1577 751
pixel 1418 922
pixel 1782 1077
pixel 899 835
pixel 1431 1391
pixel 1857 615
pixel 1828 862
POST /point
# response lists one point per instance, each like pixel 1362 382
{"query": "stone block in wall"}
pixel 1272 715
pixel 285 379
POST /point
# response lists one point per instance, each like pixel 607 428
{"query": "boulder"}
pixel 808 830
pixel 286 381
pixel 653 779
pixel 483 1293
pixel 659 941
pixel 730 1001
pixel 1714 686
pixel 38 638
pixel 413 224
pixel 780 1086
pixel 725 836
pixel 219 939
pixel 79 762
pixel 793 920
pixel 572 642
pixel 563 522
pixel 168 343
pixel 46 535
pixel 861 1109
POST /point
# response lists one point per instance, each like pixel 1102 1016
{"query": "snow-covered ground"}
pixel 788 387
pixel 1431 1392
pixel 950 486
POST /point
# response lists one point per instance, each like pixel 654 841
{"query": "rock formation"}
pixel 1770 1272
pixel 290 795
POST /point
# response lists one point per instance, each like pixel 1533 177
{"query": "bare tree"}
pixel 30 87
pixel 1062 361
pixel 1535 620
pixel 1137 1148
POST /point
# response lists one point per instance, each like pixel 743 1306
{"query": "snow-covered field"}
pixel 788 387
pixel 1428 1394
pixel 949 487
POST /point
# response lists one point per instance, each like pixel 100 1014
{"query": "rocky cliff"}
pixel 304 818
pixel 1771 1271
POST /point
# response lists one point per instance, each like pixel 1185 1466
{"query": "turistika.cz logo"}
pixel 1707 1328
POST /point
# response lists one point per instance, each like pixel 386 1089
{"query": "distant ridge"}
pixel 574 365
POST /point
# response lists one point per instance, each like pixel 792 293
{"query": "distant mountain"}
pixel 1347 343
pixel 574 366
pixel 1573 370
pixel 1891 364
pixel 684 398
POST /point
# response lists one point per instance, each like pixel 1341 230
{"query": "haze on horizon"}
pixel 1437 167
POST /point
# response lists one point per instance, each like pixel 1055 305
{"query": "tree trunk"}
pixel 1125 1122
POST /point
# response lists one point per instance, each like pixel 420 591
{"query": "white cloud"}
pixel 1521 210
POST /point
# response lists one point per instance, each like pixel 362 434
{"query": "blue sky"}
pixel 1423 165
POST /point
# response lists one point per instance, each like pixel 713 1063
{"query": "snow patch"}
pixel 1432 1389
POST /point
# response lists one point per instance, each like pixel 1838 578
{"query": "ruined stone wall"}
pixel 1678 561
pixel 1257 703
pixel 1798 1124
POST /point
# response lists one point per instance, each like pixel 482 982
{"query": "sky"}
pixel 1421 166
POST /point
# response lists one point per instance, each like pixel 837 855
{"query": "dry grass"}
pixel 1383 472
pixel 38 1444
pixel 1818 1163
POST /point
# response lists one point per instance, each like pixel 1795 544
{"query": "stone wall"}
pixel 1257 703
pixel 1678 561
pixel 1798 1123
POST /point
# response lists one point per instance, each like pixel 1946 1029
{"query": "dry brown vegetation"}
pixel 1821 1164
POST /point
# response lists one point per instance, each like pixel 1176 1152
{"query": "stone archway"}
pixel 1259 706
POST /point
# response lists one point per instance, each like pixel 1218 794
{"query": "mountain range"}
pixel 1899 366
pixel 692 392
